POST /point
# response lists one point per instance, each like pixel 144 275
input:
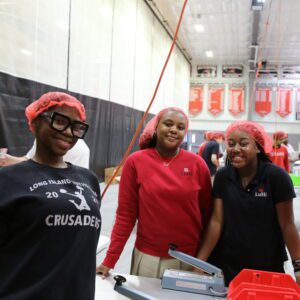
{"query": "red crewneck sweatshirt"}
pixel 171 204
pixel 280 157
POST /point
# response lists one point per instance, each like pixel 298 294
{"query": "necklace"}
pixel 166 164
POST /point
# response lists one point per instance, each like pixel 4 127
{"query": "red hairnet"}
pixel 217 135
pixel 149 130
pixel 279 135
pixel 53 99
pixel 256 131
pixel 207 135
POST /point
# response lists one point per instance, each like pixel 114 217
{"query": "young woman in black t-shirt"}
pixel 49 210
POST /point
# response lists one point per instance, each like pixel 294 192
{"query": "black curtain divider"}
pixel 111 125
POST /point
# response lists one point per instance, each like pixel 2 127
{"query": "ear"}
pixel 34 125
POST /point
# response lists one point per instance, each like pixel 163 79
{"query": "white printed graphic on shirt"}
pixel 83 204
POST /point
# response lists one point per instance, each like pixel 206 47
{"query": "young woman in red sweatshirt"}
pixel 167 191
pixel 279 154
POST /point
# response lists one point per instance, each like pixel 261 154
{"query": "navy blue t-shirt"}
pixel 49 229
pixel 251 236
pixel 212 147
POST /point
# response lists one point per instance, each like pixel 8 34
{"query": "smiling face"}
pixel 51 142
pixel 170 131
pixel 241 149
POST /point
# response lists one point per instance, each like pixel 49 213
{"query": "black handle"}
pixel 172 246
pixel 119 279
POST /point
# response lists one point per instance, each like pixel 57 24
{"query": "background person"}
pixel 292 153
pixel 279 154
pixel 167 190
pixel 49 210
pixel 211 151
pixel 207 137
pixel 252 219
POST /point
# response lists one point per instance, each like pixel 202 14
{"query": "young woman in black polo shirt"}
pixel 253 218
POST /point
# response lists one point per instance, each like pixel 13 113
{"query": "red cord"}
pixel 150 104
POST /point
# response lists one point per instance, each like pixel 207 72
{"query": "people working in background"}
pixel 211 151
pixel 49 210
pixel 279 153
pixel 292 154
pixel 79 155
pixel 252 219
pixel 167 190
pixel 206 136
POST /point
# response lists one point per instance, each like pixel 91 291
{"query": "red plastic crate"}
pixel 262 285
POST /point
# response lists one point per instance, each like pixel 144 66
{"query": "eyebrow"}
pixel 170 120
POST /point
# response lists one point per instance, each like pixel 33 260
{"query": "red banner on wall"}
pixel 196 100
pixel 284 102
pixel 298 104
pixel 215 100
pixel 263 102
pixel 236 100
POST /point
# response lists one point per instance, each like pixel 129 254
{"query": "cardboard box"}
pixel 108 173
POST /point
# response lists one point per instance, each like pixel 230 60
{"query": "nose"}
pixel 236 147
pixel 173 129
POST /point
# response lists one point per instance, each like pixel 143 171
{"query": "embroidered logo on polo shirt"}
pixel 261 193
pixel 186 172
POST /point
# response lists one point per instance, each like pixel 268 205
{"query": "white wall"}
pixel 116 50
pixel 272 122
pixel 34 40
pixel 90 47
pixel 205 120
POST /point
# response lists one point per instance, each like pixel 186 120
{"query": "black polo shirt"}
pixel 251 236
pixel 212 147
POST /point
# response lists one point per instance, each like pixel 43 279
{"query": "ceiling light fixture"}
pixel 209 53
pixel 199 27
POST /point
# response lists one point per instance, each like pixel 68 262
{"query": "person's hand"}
pixel 7 160
pixel 103 271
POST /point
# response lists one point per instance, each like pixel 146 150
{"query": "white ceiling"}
pixel 230 27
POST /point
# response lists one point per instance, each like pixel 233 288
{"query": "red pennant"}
pixel 196 100
pixel 263 102
pixel 298 101
pixel 284 102
pixel 215 100
pixel 236 101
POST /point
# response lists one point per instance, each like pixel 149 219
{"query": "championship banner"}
pixel 215 100
pixel 232 71
pixel 263 102
pixel 236 100
pixel 207 71
pixel 196 99
pixel 284 102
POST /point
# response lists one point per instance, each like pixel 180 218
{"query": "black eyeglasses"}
pixel 61 122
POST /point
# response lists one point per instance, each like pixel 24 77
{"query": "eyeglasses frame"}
pixel 51 116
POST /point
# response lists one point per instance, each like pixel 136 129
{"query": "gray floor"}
pixel 108 210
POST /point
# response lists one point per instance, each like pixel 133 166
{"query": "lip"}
pixel 236 158
pixel 63 143
pixel 172 138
